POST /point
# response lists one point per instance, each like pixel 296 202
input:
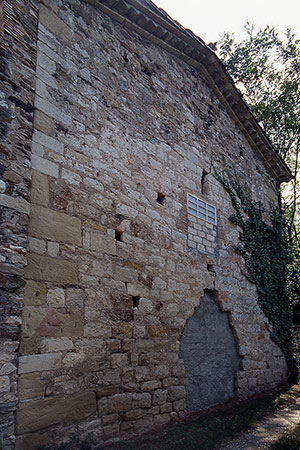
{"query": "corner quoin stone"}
pixel 38 414
pixel 48 224
pixel 45 268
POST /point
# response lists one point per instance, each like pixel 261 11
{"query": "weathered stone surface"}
pixel 52 22
pixel 39 414
pixel 39 363
pixel 43 123
pixel 49 224
pixel 50 322
pixel 119 153
pixel 31 385
pixel 32 441
pixel 122 329
pixel 19 204
pixel 56 344
pixel 56 298
pixel 102 243
pixel 35 293
pixel 51 269
pixel 39 193
pixel 43 165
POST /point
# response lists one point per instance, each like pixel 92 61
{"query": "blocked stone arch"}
pixel 209 352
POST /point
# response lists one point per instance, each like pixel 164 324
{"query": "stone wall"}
pixel 123 131
pixel 18 35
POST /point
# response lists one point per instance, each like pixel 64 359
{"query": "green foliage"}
pixel 265 252
pixel 266 69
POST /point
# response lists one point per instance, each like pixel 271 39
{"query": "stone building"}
pixel 135 309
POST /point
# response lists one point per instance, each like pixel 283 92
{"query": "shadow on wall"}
pixel 210 357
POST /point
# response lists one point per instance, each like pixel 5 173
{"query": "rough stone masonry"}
pixel 111 129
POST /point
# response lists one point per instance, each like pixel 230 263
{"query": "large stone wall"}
pixel 123 130
pixel 18 36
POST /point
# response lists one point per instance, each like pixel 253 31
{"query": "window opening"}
pixel 201 209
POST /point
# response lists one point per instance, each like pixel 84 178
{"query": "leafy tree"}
pixel 266 69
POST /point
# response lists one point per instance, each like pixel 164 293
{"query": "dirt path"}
pixel 266 432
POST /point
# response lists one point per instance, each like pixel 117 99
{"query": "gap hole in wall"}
pixel 136 301
pixel 204 189
pixel 210 268
pixel 160 198
pixel 118 235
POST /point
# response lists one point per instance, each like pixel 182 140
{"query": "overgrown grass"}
pixel 290 440
pixel 207 430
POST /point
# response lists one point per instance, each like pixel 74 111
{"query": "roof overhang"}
pixel 155 24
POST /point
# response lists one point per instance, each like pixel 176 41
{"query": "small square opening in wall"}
pixel 136 300
pixel 160 198
pixel 118 235
pixel 201 209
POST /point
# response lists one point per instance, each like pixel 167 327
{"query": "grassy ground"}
pixel 205 431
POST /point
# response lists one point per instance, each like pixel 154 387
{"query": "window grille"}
pixel 201 209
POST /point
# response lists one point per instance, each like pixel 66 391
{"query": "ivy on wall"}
pixel 263 246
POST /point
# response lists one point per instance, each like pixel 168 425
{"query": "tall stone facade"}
pixel 127 132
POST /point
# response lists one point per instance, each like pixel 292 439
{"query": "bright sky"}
pixel 208 19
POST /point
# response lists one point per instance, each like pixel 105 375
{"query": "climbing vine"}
pixel 263 246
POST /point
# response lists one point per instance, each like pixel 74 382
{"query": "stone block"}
pixel 37 245
pixel 53 249
pixel 54 24
pixel 35 293
pixel 19 204
pixel 135 266
pixel 45 63
pixel 94 226
pixel 97 329
pixel 56 345
pixel 43 165
pixel 51 269
pixel 4 384
pixel 179 405
pixel 134 414
pixel 32 441
pixel 120 402
pixel 121 330
pixel 53 225
pixel 48 142
pixel 48 322
pixel 39 193
pixel 176 393
pixel 56 298
pixel 38 414
pixel 150 385
pixel 154 331
pixel 31 385
pixel 103 243
pixel 48 108
pixel 43 123
pixel 39 363
pixel 166 408
pixel 159 397
pixel 119 360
